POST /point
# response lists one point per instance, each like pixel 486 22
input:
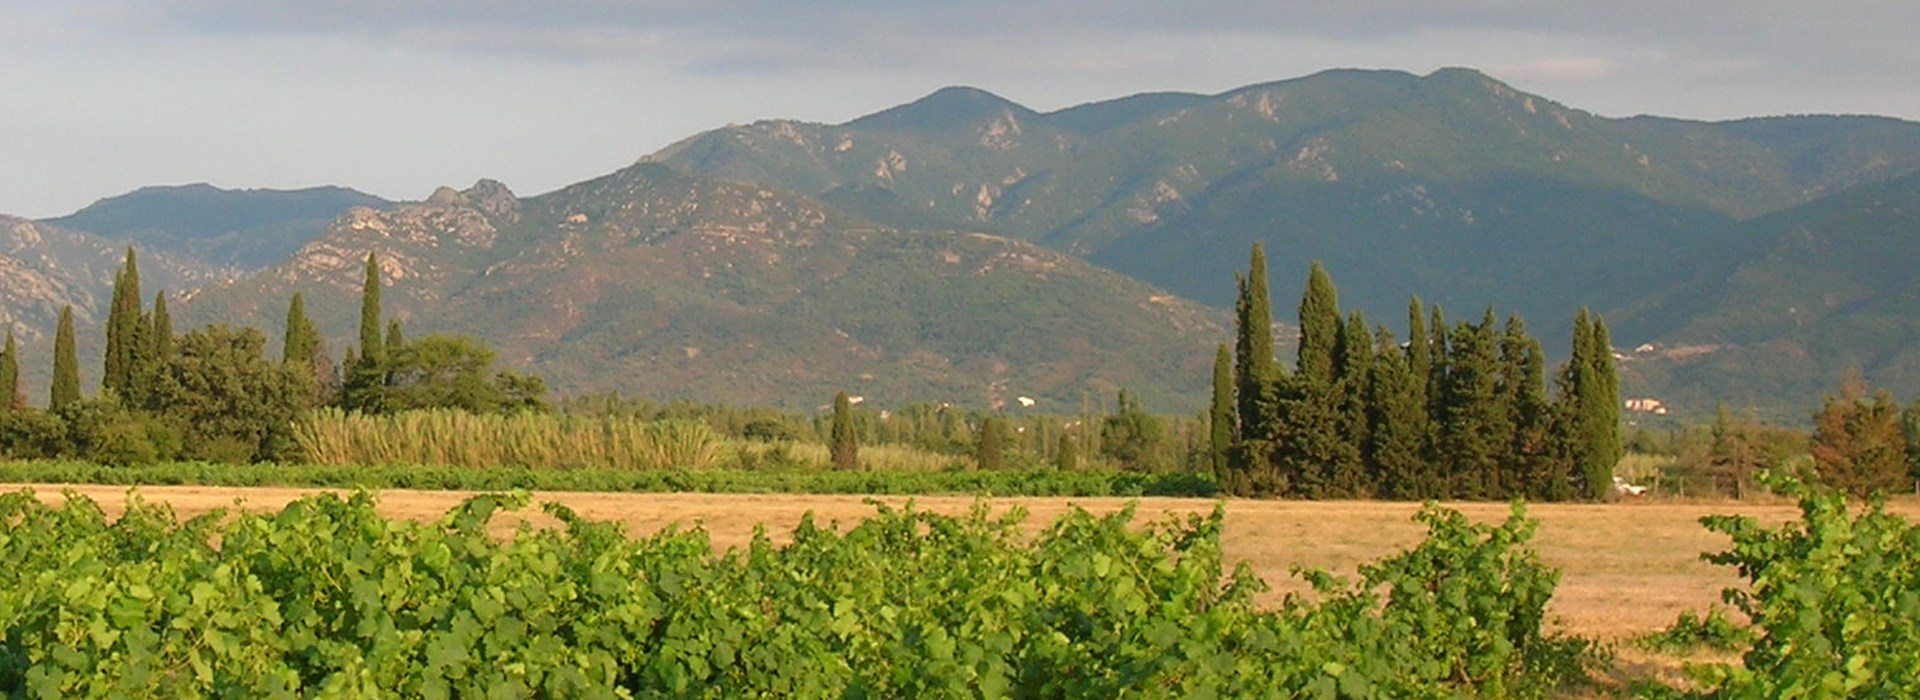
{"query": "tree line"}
pixel 213 394
pixel 1458 410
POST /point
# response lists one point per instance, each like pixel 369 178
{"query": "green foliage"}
pixel 1688 632
pixel 442 371
pixel 125 325
pixel 1221 425
pixel 1253 346
pixel 767 472
pixel 364 384
pixel 1589 410
pixel 991 452
pixel 843 441
pixel 1319 327
pixel 1460 412
pixel 1066 455
pixel 159 335
pixel 104 430
pixel 11 398
pixel 229 400
pixel 328 597
pixel 1470 602
pixel 1832 598
pixel 1133 438
pixel 29 433
pixel 66 364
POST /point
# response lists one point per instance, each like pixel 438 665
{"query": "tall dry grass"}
pixel 535 440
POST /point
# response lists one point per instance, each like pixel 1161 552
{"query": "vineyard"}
pixel 327 597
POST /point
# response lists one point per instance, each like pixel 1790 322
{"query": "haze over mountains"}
pixel 953 248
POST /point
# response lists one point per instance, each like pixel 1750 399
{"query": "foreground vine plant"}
pixel 328 599
pixel 1834 597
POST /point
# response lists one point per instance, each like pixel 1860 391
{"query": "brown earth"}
pixel 1628 568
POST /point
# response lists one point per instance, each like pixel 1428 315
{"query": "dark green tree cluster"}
pixel 212 394
pixel 389 373
pixel 1457 411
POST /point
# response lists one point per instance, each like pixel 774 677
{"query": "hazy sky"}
pixel 394 97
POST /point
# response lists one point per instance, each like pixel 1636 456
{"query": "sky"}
pixel 396 97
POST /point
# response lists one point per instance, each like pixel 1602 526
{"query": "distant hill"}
pixel 247 229
pixel 45 267
pixel 965 247
pixel 1452 185
pixel 1824 287
pixel 657 282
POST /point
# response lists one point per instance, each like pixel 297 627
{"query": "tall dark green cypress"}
pixel 1319 328
pixel 1419 356
pixel 66 364
pixel 1609 443
pixel 1398 425
pixel 366 379
pixel 991 451
pixel 372 350
pixel 1254 344
pixel 10 398
pixel 302 338
pixel 1529 414
pixel 1472 432
pixel 1588 416
pixel 843 442
pixel 159 333
pixel 1437 354
pixel 122 360
pixel 395 341
pixel 1353 372
pixel 1220 423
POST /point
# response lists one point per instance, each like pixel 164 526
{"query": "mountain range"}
pixel 963 247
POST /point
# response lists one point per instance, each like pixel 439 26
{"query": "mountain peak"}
pixel 944 108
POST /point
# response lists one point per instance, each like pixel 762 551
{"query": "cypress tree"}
pixel 1254 347
pixel 1437 355
pixel 300 353
pixel 1603 410
pixel 1523 382
pixel 395 341
pixel 1397 434
pixel 1419 359
pixel 844 444
pixel 1472 431
pixel 1319 328
pixel 1066 456
pixel 66 364
pixel 366 380
pixel 1590 419
pixel 1353 371
pixel 160 332
pixel 372 350
pixel 302 338
pixel 122 360
pixel 10 398
pixel 991 451
pixel 1220 424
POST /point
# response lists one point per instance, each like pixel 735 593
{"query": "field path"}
pixel 1628 568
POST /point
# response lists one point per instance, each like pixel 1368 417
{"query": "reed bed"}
pixel 535 440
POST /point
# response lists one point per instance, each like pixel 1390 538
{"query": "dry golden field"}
pixel 1628 568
